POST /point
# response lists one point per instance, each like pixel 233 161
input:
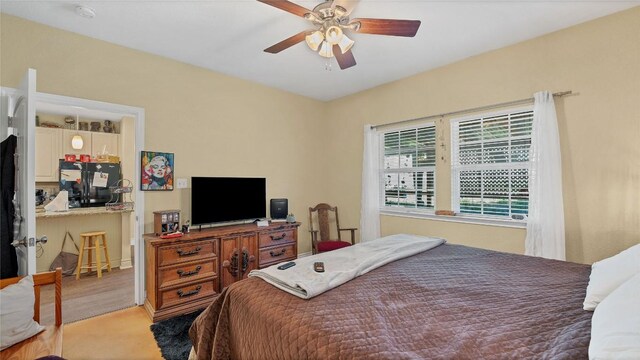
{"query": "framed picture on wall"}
pixel 156 171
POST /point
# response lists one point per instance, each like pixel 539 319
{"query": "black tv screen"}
pixel 227 199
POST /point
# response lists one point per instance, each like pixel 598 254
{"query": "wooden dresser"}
pixel 185 274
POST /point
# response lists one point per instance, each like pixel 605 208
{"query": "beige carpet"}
pixel 89 296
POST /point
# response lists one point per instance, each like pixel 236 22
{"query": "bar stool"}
pixel 87 244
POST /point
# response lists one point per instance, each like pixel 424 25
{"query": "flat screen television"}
pixel 227 199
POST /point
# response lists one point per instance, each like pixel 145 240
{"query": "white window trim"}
pixel 458 218
pixel 455 168
pixel 384 209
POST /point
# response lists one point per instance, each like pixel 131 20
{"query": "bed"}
pixel 449 302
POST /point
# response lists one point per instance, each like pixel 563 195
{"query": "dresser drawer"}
pixel 176 275
pixel 277 254
pixel 191 251
pixel 276 238
pixel 187 293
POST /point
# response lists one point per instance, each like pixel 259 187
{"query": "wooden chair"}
pixel 49 341
pixel 324 242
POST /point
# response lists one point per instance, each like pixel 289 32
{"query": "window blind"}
pixel 409 168
pixel 490 164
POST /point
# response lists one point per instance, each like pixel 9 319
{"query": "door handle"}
pixel 31 242
pixel 42 240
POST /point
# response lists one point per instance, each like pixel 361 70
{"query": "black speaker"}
pixel 279 208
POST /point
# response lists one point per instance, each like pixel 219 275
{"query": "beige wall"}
pixel 218 125
pixel 599 130
pixel 215 124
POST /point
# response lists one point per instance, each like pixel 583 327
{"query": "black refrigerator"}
pixel 88 183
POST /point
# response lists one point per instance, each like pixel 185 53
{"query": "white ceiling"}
pixel 228 36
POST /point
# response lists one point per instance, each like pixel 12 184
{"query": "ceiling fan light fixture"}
pixel 333 35
pixel 312 17
pixel 325 50
pixel 314 40
pixel 345 44
pixel 355 26
pixel 339 11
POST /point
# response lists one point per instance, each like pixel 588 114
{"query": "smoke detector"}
pixel 85 11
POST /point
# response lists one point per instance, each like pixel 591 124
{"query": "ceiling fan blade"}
pixel 287 6
pixel 348 5
pixel 286 43
pixel 345 60
pixel 392 27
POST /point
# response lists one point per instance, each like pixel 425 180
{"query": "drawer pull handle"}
pixel 276 238
pixel 182 273
pixel 190 293
pixel 282 252
pixel 189 253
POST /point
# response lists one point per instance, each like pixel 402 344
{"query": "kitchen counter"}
pixel 41 214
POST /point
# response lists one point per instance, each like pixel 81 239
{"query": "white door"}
pixel 24 124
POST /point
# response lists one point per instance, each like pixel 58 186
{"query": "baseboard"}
pixel 308 253
pixel 125 264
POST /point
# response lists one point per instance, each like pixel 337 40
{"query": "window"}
pixel 408 169
pixel 490 164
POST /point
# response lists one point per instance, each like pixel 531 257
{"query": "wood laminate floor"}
pixel 121 334
pixel 89 296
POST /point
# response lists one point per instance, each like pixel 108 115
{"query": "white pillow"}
pixel 16 313
pixel 615 326
pixel 608 274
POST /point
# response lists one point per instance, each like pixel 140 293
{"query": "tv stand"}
pixel 185 274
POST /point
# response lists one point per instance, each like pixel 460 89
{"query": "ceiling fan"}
pixel 331 19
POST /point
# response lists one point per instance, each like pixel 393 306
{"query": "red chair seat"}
pixel 329 245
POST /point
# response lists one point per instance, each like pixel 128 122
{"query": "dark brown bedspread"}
pixel 451 302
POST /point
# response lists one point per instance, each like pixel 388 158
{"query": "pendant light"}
pixel 76 142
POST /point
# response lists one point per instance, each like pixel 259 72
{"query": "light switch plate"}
pixel 182 183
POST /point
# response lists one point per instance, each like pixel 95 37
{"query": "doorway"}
pixel 128 271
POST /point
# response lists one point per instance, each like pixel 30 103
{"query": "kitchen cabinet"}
pixel 94 142
pixel 102 141
pixel 48 152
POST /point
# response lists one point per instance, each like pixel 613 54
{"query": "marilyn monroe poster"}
pixel 157 171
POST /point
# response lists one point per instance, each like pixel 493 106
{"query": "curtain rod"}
pixel 486 107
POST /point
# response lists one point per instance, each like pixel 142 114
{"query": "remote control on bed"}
pixel 286 265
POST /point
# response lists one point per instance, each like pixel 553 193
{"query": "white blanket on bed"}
pixel 343 264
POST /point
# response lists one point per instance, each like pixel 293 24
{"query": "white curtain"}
pixel 370 205
pixel 545 226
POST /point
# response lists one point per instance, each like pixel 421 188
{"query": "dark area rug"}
pixel 172 336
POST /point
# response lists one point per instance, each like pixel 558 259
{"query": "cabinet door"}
pixel 48 152
pixel 229 258
pixel 249 246
pixel 104 141
pixel 239 257
pixel 67 135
